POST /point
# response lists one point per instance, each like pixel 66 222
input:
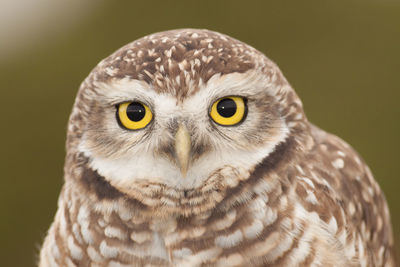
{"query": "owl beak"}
pixel 182 148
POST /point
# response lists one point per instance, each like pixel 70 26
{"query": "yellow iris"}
pixel 134 115
pixel 228 110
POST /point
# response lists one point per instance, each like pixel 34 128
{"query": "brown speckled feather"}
pixel 273 190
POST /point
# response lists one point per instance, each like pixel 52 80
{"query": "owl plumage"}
pixel 184 190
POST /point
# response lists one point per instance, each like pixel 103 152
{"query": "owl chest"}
pixel 234 238
pixel 226 242
pixel 167 243
pixel 171 245
pixel 224 238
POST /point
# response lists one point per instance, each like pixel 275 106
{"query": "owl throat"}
pixel 224 188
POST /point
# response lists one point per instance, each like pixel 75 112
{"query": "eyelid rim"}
pixel 245 100
pixel 119 120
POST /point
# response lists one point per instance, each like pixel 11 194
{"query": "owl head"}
pixel 179 114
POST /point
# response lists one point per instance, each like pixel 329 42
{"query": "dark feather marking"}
pixel 96 183
pixel 281 153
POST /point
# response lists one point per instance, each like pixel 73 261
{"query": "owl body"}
pixel 190 148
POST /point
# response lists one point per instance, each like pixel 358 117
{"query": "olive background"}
pixel 342 58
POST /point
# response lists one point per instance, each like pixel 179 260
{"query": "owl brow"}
pixel 116 100
pixel 235 91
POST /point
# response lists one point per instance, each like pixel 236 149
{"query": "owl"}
pixel 190 148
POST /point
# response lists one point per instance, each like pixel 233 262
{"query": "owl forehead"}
pixel 178 61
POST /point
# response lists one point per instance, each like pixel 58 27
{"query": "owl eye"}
pixel 134 115
pixel 228 110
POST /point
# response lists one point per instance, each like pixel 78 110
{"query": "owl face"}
pixel 179 131
pixel 151 153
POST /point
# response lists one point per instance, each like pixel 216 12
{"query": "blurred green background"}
pixel 342 57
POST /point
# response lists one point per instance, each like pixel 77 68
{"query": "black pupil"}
pixel 226 107
pixel 135 111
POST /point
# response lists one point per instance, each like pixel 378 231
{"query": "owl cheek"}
pixel 199 149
